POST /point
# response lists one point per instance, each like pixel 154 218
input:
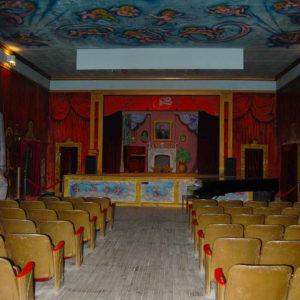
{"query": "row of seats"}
pixel 223 245
pixel 258 207
pixel 31 228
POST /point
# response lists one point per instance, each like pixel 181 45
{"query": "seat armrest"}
pixel 200 234
pixel 219 276
pixel 94 219
pixel 93 232
pixel 193 213
pixel 58 260
pixel 207 250
pixel 26 269
pixel 59 246
pixel 79 231
pixel 103 211
pixel 195 223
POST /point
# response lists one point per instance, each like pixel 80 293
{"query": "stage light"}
pixel 11 59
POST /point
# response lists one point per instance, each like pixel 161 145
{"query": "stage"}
pixel 134 189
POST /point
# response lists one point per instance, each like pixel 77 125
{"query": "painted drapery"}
pixel 254 118
pixel 69 117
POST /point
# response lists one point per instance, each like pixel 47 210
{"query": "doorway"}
pixel 67 161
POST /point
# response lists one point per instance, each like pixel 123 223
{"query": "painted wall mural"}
pixel 157 191
pixel 120 191
pixel 162 23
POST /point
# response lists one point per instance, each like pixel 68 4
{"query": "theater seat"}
pixel 32 204
pixel 292 233
pixel 196 203
pixel 285 220
pixel 256 282
pixel 64 231
pixel 94 209
pixel 16 285
pixel 238 210
pixel 231 203
pixel 73 200
pixel 41 214
pixel 226 253
pixel 267 211
pixel 214 231
pixel 291 211
pixel 281 204
pixel 255 204
pixel 246 220
pixel 264 232
pixel 81 218
pixel 48 260
pixel 296 204
pixel 203 210
pixel 60 205
pixel 294 290
pixel 203 221
pixel 48 199
pixel 105 203
pixel 9 203
pixel 18 226
pixel 281 253
pixel 12 213
pixel 3 250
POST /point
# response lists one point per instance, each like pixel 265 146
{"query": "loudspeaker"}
pixel 90 164
pixel 230 166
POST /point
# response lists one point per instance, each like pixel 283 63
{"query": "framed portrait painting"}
pixel 144 136
pixel 162 131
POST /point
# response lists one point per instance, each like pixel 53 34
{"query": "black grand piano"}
pixel 209 187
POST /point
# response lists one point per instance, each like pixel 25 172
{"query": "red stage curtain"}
pixel 68 118
pixel 23 100
pixel 254 119
pixel 112 142
pixel 209 104
pixel 208 144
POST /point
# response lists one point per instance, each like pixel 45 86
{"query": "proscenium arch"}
pixel 225 99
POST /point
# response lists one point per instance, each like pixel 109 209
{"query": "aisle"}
pixel 147 255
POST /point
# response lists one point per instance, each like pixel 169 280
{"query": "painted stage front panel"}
pixel 120 191
pixel 157 191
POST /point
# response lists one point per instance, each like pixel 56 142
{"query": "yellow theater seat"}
pixel 264 232
pixel 257 282
pixel 285 220
pixel 292 233
pixel 227 252
pixel 214 231
pixel 32 204
pixel 9 203
pixel 64 231
pixel 94 209
pixel 81 218
pixel 16 285
pixel 18 226
pixel 12 213
pixel 48 260
pixel 246 220
pixel 267 211
pixel 231 203
pixel 41 214
pixel 60 205
pixel 255 204
pixel 294 290
pixel 238 210
pixel 281 204
pixel 73 200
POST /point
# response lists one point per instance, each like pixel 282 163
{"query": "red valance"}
pixel 60 105
pixel 209 104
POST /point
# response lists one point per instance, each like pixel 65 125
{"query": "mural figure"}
pixel 13 11
pixel 223 10
pixel 143 36
pixel 81 31
pixel 97 14
pixel 167 16
pixel 290 8
pixel 126 11
pixel 285 38
pixel 222 32
pixel 28 40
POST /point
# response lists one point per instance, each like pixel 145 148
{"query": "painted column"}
pixel 3 181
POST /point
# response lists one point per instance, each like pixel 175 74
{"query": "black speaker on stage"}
pixel 90 164
pixel 230 166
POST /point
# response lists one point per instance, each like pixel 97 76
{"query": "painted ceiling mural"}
pixel 149 23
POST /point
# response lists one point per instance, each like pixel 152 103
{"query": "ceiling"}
pixel 47 33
